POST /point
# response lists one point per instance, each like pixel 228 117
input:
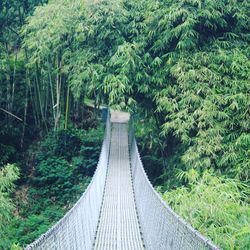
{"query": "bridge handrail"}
pixel 161 227
pixel 82 224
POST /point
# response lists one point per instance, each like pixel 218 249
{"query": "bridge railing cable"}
pixel 77 229
pixel 161 227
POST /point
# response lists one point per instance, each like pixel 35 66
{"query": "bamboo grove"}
pixel 181 67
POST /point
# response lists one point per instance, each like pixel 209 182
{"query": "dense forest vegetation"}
pixel 181 67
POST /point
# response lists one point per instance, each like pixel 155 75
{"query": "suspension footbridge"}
pixel 120 210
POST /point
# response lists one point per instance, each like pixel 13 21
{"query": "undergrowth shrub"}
pixel 8 175
pixel 64 164
pixel 66 160
pixel 216 206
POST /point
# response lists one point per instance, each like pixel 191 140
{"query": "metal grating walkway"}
pixel 118 226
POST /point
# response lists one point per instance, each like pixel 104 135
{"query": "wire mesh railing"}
pixel 77 229
pixel 161 227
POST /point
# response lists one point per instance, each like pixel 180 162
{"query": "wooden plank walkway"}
pixel 118 228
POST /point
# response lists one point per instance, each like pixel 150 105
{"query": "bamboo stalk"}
pixel 67 109
pixel 11 114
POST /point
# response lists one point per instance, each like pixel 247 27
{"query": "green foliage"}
pixel 51 29
pixel 90 151
pixel 62 143
pixel 54 178
pixel 182 66
pixel 204 117
pixel 192 89
pixel 216 206
pixel 8 175
pixel 7 153
pixel 64 163
pixel 16 247
pixel 28 229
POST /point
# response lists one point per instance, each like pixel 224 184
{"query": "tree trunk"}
pixel 13 83
pixel 67 109
pixel 41 108
pixel 8 80
pixel 58 91
pixel 51 89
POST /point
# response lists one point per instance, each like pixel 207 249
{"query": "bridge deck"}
pixel 118 226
